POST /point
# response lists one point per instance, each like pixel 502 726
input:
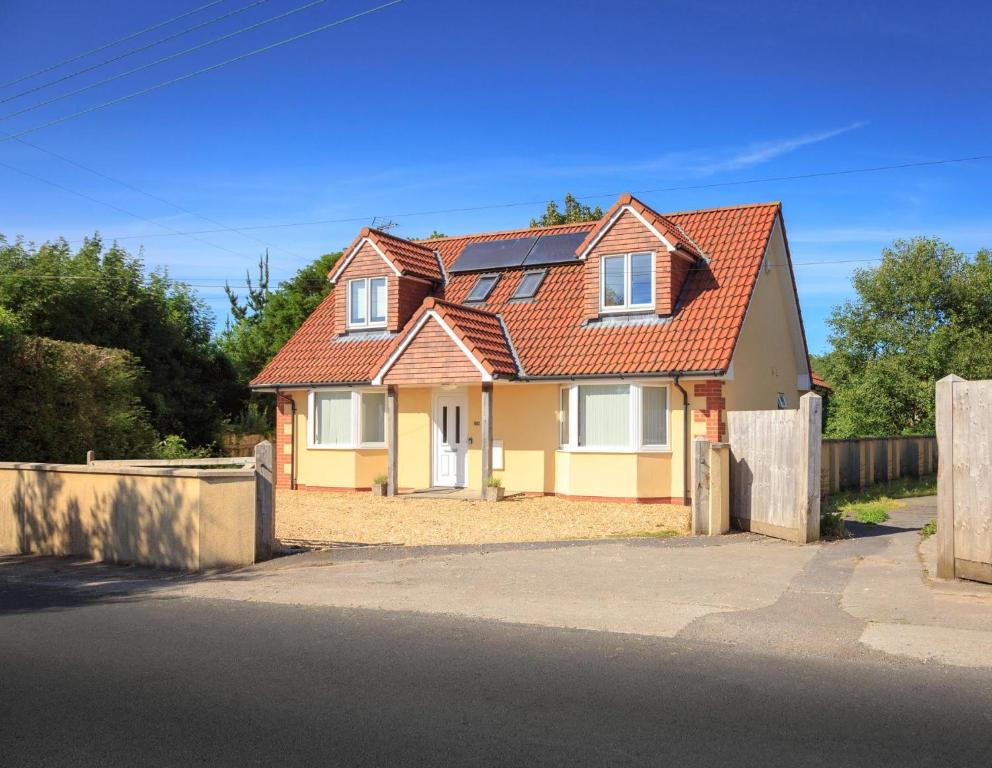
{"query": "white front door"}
pixel 450 439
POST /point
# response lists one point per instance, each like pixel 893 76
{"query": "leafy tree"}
pixel 924 312
pixel 434 235
pixel 574 212
pixel 254 339
pixel 102 296
pixel 257 296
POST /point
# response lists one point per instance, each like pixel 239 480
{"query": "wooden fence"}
pixel 775 470
pixel 859 462
pixel 964 479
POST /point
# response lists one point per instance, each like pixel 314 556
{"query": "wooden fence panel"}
pixel 964 480
pixel 775 470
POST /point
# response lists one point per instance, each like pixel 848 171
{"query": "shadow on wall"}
pixel 156 524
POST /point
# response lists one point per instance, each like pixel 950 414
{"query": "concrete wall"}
pixel 173 518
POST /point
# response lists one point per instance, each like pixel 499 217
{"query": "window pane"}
pixel 378 287
pixel 604 416
pixel 483 287
pixel 357 289
pixel 614 290
pixel 564 416
pixel 654 415
pixel 374 417
pixel 640 278
pixel 332 418
pixel 529 284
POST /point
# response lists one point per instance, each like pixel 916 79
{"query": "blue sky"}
pixel 427 106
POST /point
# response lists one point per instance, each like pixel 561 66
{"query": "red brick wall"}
pixel 629 235
pixel 283 460
pixel 432 358
pixel 409 296
pixel 713 413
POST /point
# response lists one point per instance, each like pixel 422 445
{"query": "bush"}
pixel 174 447
pixel 494 482
pixel 929 529
pixel 59 399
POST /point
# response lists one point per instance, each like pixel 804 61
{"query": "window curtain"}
pixel 333 418
pixel 604 416
pixel 654 416
pixel 358 290
pixel 373 417
pixel 564 416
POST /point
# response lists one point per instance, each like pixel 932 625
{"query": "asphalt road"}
pixel 174 681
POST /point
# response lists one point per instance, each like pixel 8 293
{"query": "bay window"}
pixel 624 417
pixel 341 418
pixel 367 302
pixel 626 282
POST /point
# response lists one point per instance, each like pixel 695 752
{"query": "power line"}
pixel 133 51
pixel 163 59
pixel 518 204
pixel 176 206
pixel 114 207
pixel 204 70
pixel 111 44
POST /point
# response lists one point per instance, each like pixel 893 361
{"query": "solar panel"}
pixel 554 249
pixel 494 254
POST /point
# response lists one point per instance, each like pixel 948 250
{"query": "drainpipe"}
pixel 686 427
pixel 292 439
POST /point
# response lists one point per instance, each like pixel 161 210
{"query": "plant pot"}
pixel 494 493
pixel 380 489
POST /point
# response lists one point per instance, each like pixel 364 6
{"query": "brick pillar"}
pixel 284 443
pixel 712 412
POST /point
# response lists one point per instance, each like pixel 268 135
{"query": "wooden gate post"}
pixel 808 493
pixel 945 476
pixel 265 518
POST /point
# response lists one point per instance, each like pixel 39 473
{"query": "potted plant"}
pixel 494 488
pixel 380 485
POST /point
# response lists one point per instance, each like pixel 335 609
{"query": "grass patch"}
pixel 871 513
pixel 929 529
pixel 870 505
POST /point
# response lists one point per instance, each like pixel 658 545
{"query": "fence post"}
pixel 808 497
pixel 265 519
pixel 90 456
pixel 701 489
pixel 945 476
pixel 719 501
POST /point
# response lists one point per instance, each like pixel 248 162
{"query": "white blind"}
pixel 357 288
pixel 373 417
pixel 604 416
pixel 654 415
pixel 378 300
pixel 332 418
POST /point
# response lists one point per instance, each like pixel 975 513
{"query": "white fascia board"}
pixel 355 250
pixel 613 220
pixel 430 315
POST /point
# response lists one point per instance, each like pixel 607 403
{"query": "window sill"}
pixel 360 447
pixel 641 450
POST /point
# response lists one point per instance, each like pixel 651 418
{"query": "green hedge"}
pixel 59 400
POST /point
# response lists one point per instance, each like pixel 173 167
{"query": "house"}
pixel 577 360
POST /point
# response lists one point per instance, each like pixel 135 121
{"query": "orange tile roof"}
pixel 409 257
pixel 480 331
pixel 664 224
pixel 549 334
pixel 818 382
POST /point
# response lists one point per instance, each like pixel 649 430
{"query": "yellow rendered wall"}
pixel 413 458
pixel 525 419
pixel 767 357
pixel 332 467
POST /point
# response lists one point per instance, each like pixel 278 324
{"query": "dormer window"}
pixel 482 288
pixel 626 282
pixel 367 302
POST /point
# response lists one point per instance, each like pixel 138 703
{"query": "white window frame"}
pixel 369 323
pixel 357 441
pixel 626 306
pixel 636 444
